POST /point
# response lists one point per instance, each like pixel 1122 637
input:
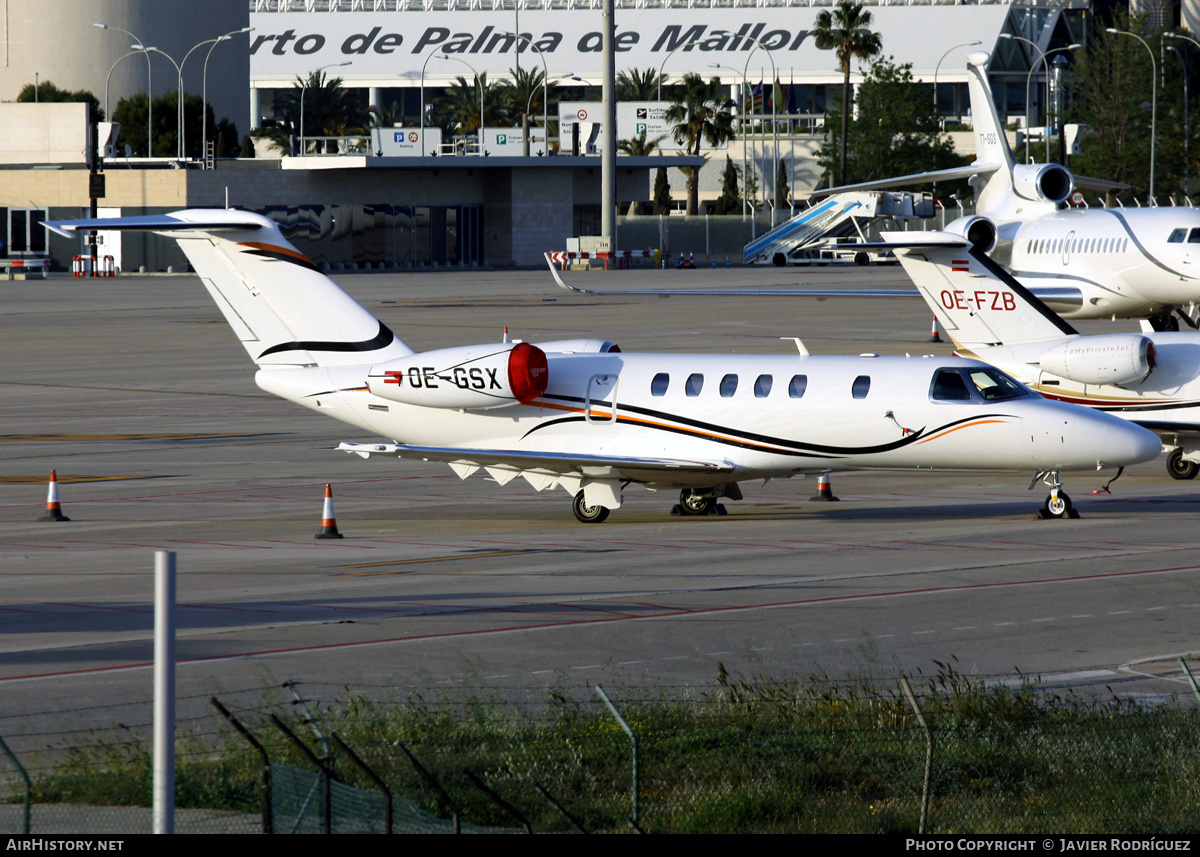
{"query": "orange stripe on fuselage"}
pixel 273 248
pixel 957 428
pixel 607 416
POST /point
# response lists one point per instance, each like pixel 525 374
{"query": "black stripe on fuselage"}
pixel 748 440
pixel 384 338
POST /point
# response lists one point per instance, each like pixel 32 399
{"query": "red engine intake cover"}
pixel 528 372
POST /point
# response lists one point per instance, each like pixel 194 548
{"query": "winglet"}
pixel 562 284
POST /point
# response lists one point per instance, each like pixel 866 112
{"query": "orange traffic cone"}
pixel 824 490
pixel 329 528
pixel 934 336
pixel 53 509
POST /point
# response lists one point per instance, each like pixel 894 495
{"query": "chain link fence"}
pixel 720 763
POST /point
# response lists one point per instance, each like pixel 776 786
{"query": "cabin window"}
pixel 797 386
pixel 861 386
pixel 762 386
pixel 658 386
pixel 693 385
pixel 1177 236
pixel 728 386
pixel 949 386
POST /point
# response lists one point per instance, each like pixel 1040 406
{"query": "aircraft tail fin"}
pixel 282 308
pixel 991 144
pixel 975 300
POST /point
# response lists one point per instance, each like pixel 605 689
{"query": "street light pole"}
pixel 304 89
pixel 528 101
pixel 663 64
pixel 149 89
pixel 1186 165
pixel 432 54
pixel 478 83
pixel 1028 81
pixel 741 127
pixel 1186 127
pixel 774 74
pixel 178 100
pixel 204 84
pixel 108 115
pixel 1153 99
pixel 938 67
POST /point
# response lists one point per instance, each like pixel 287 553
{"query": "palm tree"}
pixel 638 147
pixel 328 109
pixel 844 30
pixel 701 114
pixel 458 109
pixel 525 95
pixel 638 85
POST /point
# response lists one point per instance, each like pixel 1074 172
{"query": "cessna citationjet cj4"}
pixel 1084 263
pixel 586 417
pixel 1152 379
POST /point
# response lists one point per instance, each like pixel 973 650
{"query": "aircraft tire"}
pixel 586 514
pixel 1179 467
pixel 695 504
pixel 1060 508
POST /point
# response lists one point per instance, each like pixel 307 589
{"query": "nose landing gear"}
pixel 1058 504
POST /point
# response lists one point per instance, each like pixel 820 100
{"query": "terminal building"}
pixel 397 208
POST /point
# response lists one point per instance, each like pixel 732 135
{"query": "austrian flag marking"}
pixel 960 265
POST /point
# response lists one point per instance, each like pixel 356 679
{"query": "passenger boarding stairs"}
pixel 837 216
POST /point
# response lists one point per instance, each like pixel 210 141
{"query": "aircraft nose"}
pixel 1126 443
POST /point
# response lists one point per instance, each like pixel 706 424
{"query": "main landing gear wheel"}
pixel 588 514
pixel 1179 467
pixel 695 504
pixel 1058 507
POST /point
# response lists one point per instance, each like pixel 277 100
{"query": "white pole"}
pixel 164 691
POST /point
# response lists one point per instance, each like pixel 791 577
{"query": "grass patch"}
pixel 811 755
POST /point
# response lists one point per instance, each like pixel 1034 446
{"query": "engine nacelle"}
pixel 472 377
pixel 1044 182
pixel 1118 358
pixel 977 229
pixel 579 346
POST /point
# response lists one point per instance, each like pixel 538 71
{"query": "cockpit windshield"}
pixel 966 385
pixel 993 385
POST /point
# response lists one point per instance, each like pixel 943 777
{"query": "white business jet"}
pixel 1152 379
pixel 1083 263
pixel 584 416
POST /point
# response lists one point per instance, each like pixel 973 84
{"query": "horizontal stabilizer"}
pixel 203 219
pixel 279 304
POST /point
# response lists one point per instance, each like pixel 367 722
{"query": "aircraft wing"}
pixel 947 175
pixel 666 293
pixel 1099 184
pixel 1058 298
pixel 555 462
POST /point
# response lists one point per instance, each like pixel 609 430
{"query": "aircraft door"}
pixel 600 400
